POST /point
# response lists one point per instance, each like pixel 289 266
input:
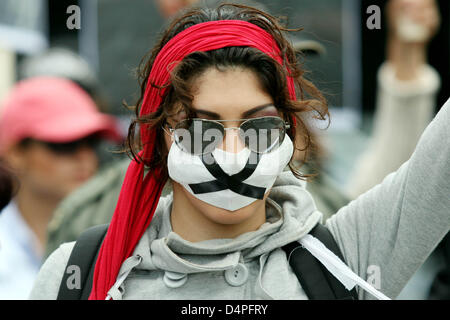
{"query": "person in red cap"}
pixel 48 130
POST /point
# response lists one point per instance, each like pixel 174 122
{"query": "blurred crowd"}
pixel 60 170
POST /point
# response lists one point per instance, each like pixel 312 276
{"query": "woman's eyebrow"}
pixel 244 114
pixel 252 111
pixel 207 113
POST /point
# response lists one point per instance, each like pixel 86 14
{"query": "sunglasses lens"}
pixel 264 134
pixel 198 136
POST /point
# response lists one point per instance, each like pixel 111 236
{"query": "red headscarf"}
pixel 139 195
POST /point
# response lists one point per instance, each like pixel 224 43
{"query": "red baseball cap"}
pixel 52 109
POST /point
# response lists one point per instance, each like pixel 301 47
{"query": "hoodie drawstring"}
pixel 259 287
pixel 117 289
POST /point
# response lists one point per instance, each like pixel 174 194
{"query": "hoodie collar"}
pixel 290 211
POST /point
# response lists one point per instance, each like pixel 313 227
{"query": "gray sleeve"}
pixel 48 280
pixel 389 231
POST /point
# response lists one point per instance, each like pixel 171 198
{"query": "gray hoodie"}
pixel 384 235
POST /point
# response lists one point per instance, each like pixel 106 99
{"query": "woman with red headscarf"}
pixel 224 106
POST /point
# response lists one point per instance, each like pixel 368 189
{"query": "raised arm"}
pixel 388 232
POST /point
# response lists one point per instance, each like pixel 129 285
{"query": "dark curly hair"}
pixel 270 73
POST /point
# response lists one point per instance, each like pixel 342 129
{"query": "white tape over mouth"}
pixel 188 169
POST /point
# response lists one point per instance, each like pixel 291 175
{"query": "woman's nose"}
pixel 232 142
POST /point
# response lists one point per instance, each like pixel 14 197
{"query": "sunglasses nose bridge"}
pixel 231 128
pixel 232 141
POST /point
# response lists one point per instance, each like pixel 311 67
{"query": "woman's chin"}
pixel 220 215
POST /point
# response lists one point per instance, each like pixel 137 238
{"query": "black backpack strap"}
pixel 83 256
pixel 317 282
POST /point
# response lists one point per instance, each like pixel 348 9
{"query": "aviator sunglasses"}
pixel 201 136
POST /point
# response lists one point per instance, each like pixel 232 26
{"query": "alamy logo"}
pixel 374 276
pixel 374 20
pixel 74 20
pixel 74 280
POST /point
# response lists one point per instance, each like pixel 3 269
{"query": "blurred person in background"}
pixel 48 129
pixel 407 91
pixel 169 8
pixel 62 62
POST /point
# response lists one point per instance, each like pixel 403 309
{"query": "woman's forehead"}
pixel 229 93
